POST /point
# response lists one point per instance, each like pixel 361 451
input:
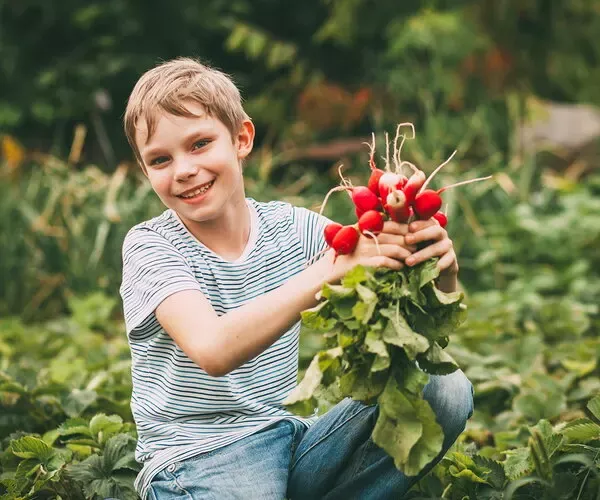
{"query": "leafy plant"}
pixel 385 332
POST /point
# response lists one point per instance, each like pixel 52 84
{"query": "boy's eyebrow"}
pixel 194 133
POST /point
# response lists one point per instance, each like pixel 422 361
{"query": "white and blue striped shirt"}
pixel 179 410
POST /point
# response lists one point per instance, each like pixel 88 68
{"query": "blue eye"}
pixel 200 143
pixel 158 160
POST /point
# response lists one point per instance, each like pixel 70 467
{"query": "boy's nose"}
pixel 184 169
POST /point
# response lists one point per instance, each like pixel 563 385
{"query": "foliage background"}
pixel 318 77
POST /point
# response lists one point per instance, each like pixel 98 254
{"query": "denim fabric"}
pixel 333 459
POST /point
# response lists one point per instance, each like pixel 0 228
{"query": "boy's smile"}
pixel 196 194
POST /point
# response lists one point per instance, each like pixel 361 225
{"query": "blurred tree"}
pixel 75 61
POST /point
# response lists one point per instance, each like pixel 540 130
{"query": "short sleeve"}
pixel 153 269
pixel 310 226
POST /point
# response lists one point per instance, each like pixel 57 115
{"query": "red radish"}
pixel 389 182
pixel 441 218
pixel 364 199
pixel 371 221
pixel 345 240
pixel 414 183
pixel 427 203
pixel 330 231
pixel 373 184
pixel 396 206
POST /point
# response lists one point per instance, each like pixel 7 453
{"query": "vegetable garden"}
pixel 523 325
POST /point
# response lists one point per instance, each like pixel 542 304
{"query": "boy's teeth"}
pixel 198 191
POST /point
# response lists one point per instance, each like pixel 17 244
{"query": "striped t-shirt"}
pixel 179 410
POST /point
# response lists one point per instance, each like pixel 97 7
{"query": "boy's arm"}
pixel 220 344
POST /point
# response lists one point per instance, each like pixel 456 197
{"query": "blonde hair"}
pixel 166 87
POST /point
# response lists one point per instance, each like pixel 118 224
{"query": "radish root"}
pixel 333 190
pixel 374 236
pixel 386 158
pixel 426 183
pixel 345 182
pixel 317 256
pixel 462 183
pixel 371 151
pixel 398 150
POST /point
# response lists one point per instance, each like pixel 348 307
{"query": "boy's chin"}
pixel 198 215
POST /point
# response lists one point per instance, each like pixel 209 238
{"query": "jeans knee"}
pixel 451 398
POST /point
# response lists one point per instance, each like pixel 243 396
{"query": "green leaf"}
pixel 399 333
pixel 31 447
pixel 496 476
pixel 518 462
pixel 581 431
pixel 346 339
pixel 380 363
pixel 119 453
pixel 103 426
pixel 539 404
pixel 362 384
pixel 446 298
pixel 430 444
pixel 337 292
pixel 342 299
pixel 594 406
pixel 466 474
pixel 110 473
pixel 428 271
pixel 407 429
pixel 319 317
pixel 301 400
pixel 437 361
pixel 409 377
pixel 77 401
pixel 375 345
pixel 582 368
pixel 369 299
pixel 75 426
pixel 398 427
pixel 12 386
pixel 359 274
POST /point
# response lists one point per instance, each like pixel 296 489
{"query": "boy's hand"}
pixel 390 251
pixel 438 244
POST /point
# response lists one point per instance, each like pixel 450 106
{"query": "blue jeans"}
pixel 333 459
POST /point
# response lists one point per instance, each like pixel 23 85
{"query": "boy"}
pixel 212 293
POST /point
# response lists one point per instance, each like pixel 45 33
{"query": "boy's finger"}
pixel 383 261
pixel 391 227
pixel 446 261
pixel 434 232
pixel 394 251
pixel 395 239
pixel 434 250
pixel 418 225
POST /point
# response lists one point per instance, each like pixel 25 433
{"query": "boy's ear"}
pixel 245 139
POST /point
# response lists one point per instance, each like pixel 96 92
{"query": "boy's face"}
pixel 193 164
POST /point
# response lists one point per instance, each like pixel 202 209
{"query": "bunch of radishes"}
pixel 389 194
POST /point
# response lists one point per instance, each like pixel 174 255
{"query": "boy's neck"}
pixel 228 235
